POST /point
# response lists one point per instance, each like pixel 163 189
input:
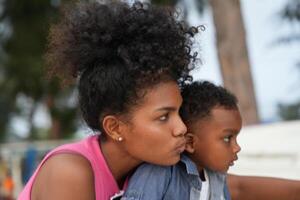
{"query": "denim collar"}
pixel 216 179
pixel 190 166
pixel 191 170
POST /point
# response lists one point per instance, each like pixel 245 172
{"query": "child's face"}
pixel 215 139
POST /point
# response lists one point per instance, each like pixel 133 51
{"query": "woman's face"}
pixel 155 133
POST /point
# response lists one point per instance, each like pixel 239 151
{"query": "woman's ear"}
pixel 190 142
pixel 112 126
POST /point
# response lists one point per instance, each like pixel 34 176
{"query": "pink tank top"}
pixel 105 184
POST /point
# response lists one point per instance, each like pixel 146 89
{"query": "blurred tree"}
pixel 22 65
pixel 291 13
pixel 232 52
pixel 6 106
pixel 290 111
pixel 233 56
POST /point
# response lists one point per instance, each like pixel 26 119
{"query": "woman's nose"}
pixel 180 128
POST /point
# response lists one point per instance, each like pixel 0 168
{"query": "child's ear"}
pixel 190 141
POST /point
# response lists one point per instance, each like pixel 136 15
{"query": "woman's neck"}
pixel 118 160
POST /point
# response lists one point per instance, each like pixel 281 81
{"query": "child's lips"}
pixel 232 162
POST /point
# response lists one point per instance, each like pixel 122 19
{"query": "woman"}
pixel 129 62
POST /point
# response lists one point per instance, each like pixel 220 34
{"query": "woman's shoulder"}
pixel 64 176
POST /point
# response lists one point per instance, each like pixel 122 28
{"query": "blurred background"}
pixel 252 47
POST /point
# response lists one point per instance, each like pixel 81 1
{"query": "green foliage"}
pixel 29 21
pixel 291 13
pixel 22 67
pixel 6 106
pixel 290 111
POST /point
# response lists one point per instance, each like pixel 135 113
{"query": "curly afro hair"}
pixel 116 51
pixel 199 98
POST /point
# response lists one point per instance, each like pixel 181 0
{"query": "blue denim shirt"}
pixel 177 182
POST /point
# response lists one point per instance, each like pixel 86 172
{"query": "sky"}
pixel 275 75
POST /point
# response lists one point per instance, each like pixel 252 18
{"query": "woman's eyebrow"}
pixel 167 108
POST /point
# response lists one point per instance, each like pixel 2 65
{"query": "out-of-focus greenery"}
pixel 290 111
pixel 23 32
pixel 291 13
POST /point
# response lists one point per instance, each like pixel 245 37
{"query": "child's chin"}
pixel 222 170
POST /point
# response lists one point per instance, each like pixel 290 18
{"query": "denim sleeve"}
pixel 148 182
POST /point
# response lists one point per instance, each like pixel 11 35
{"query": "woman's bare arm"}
pixel 64 177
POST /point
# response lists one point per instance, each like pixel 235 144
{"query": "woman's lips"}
pixel 181 147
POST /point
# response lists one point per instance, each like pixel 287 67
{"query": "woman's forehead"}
pixel 165 94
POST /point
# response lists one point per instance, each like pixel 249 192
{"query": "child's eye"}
pixel 164 117
pixel 227 139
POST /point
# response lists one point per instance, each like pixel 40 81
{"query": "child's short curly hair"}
pixel 199 98
pixel 116 51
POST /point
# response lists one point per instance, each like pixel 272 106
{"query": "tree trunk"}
pixel 233 56
pixel 32 130
pixel 55 130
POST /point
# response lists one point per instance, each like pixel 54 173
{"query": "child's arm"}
pixel 262 188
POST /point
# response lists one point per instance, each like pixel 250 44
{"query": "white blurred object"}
pixel 270 150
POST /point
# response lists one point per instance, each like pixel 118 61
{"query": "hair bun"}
pixel 85 37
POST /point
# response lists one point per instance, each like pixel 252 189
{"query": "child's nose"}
pixel 236 148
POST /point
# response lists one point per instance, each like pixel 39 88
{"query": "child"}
pixel 213 121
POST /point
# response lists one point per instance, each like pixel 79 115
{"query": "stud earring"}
pixel 120 139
